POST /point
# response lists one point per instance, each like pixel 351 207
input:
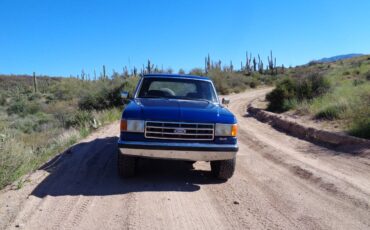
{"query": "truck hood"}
pixel 177 110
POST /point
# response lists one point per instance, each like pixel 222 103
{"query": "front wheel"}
pixel 126 165
pixel 223 169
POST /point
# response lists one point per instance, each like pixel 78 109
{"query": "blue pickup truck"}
pixel 177 117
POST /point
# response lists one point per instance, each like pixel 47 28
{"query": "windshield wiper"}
pixel 195 99
pixel 155 97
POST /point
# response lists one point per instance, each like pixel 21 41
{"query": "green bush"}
pixel 285 90
pixel 331 112
pixel 289 104
pixel 253 84
pixel 356 72
pixel 361 128
pixel 79 119
pixel 105 98
pixel 367 75
pixel 360 122
pixel 2 99
pixel 27 125
pixel 38 122
pixel 107 94
pixel 22 107
pixel 290 90
pixel 320 85
pixel 16 107
pixel 358 82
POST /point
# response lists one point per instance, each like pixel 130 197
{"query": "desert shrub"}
pixel 358 82
pixel 27 125
pixel 289 104
pixel 253 84
pixel 32 108
pixel 285 90
pixel 367 75
pixel 107 94
pixel 197 72
pixel 34 96
pixel 79 119
pixel 107 116
pixel 346 73
pixel 361 128
pixel 22 107
pixel 104 98
pixel 289 91
pixel 311 86
pixel 331 112
pixel 229 82
pixel 360 122
pixel 356 72
pixel 67 89
pixel 38 122
pixel 2 99
pixel 320 85
pixel 221 86
pixel 303 88
pixel 49 98
pixel 16 107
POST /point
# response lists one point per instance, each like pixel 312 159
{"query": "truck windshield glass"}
pixel 186 89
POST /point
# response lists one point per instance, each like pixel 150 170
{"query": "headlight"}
pixel 132 126
pixel 226 130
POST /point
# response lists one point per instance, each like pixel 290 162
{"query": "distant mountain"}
pixel 339 57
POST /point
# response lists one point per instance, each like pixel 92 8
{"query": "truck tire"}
pixel 223 169
pixel 126 165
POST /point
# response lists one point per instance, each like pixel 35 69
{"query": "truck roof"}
pixel 182 76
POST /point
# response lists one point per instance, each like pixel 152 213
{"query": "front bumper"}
pixel 178 151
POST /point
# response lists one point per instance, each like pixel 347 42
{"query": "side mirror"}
pixel 124 96
pixel 225 101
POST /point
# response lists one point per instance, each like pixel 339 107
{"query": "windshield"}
pixel 186 89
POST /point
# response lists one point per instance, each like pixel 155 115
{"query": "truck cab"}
pixel 177 117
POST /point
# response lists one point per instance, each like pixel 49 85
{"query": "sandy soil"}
pixel 281 182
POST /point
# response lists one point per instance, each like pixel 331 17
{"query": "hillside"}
pixel 334 95
pixel 339 57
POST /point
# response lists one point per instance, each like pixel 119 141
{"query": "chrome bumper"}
pixel 178 151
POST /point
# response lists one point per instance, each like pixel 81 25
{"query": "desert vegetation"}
pixel 337 91
pixel 251 74
pixel 40 116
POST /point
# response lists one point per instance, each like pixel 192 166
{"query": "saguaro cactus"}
pixel 83 75
pixel 34 82
pixel 104 76
pixel 254 64
pixel 207 64
pixel 271 63
pixel 248 67
pixel 149 67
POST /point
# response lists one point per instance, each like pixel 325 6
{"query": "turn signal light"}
pixel 123 125
pixel 234 130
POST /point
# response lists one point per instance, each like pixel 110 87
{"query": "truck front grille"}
pixel 179 130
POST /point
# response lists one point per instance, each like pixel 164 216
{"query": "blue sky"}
pixel 64 37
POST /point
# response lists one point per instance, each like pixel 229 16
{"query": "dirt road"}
pixel 281 182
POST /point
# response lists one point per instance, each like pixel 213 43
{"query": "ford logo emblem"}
pixel 179 131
